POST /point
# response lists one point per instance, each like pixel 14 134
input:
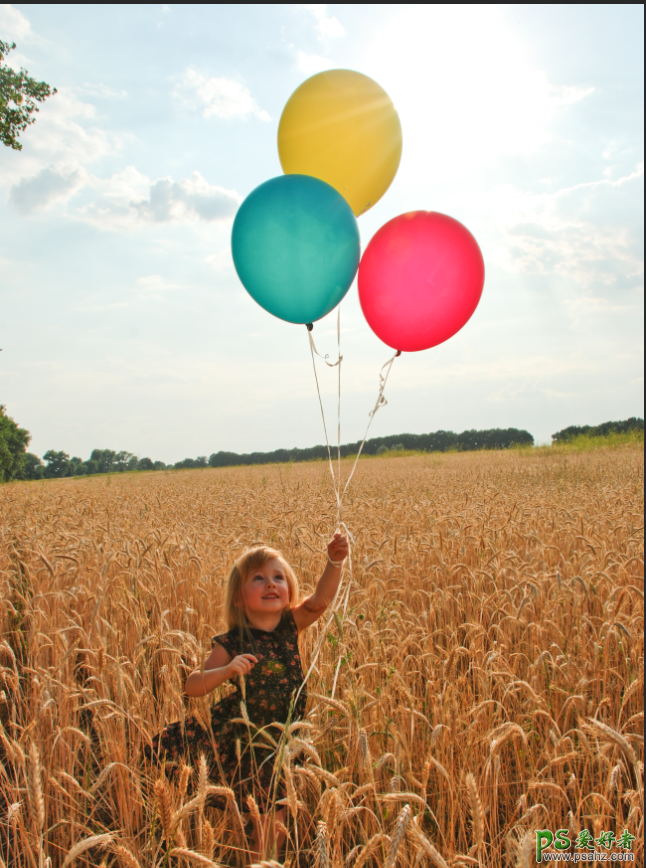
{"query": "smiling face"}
pixel 265 590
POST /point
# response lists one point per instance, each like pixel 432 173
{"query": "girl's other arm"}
pixel 312 607
pixel 218 668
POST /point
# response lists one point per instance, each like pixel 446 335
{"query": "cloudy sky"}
pixel 122 322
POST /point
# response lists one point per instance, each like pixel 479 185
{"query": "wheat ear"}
pixel 85 844
pixel 430 851
pixel 321 846
pixel 525 851
pixel 624 746
pixel 192 856
pixel 165 808
pixel 35 787
pixel 476 811
pixel 401 824
pixel 184 775
pixel 125 856
pixel 208 840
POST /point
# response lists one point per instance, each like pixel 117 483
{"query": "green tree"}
pixel 77 466
pixel 125 461
pixel 19 94
pixel 58 464
pixel 105 459
pixel 13 447
pixel 32 468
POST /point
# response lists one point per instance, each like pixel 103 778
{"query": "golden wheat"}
pixel 484 674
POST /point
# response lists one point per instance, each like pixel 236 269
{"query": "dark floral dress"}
pixel 240 756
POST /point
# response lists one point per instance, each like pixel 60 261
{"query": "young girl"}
pixel 260 649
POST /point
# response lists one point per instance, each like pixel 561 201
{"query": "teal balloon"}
pixel 295 245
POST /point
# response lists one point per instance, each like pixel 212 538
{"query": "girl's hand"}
pixel 338 548
pixel 241 665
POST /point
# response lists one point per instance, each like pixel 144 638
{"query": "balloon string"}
pixel 338 416
pixel 339 598
pixel 336 486
pixel 380 402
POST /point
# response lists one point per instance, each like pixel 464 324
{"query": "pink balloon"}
pixel 420 280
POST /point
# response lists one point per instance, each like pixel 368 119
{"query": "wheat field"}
pixel 482 678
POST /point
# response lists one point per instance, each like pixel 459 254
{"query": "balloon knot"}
pixel 310 326
pixel 398 353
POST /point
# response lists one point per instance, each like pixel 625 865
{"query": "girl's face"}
pixel 265 590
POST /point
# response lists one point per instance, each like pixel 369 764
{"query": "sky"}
pixel 123 324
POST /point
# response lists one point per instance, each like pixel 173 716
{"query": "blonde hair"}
pixel 252 559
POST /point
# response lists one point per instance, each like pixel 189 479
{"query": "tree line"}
pixel 603 430
pixel 438 441
pixel 17 463
pixel 59 464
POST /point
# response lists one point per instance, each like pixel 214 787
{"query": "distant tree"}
pixel 191 463
pixel 105 459
pixel 224 459
pixel 19 94
pixel 570 433
pixel 77 467
pixel 32 468
pixel 13 447
pixel 145 464
pixel 603 430
pixel 159 465
pixel 91 466
pixel 125 461
pixel 58 464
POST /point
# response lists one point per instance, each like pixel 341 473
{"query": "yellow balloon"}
pixel 342 127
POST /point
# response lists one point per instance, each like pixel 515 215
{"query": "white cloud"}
pixel 111 208
pixel 587 311
pixel 129 198
pixel 564 94
pixel 220 261
pixel 46 187
pixel 309 64
pixel 13 24
pixel 327 26
pixel 222 97
pixel 189 199
pixel 100 91
pixel 571 232
pixel 125 199
pixel 154 283
pixel 527 391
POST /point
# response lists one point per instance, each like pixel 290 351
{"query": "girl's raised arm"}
pixel 312 607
